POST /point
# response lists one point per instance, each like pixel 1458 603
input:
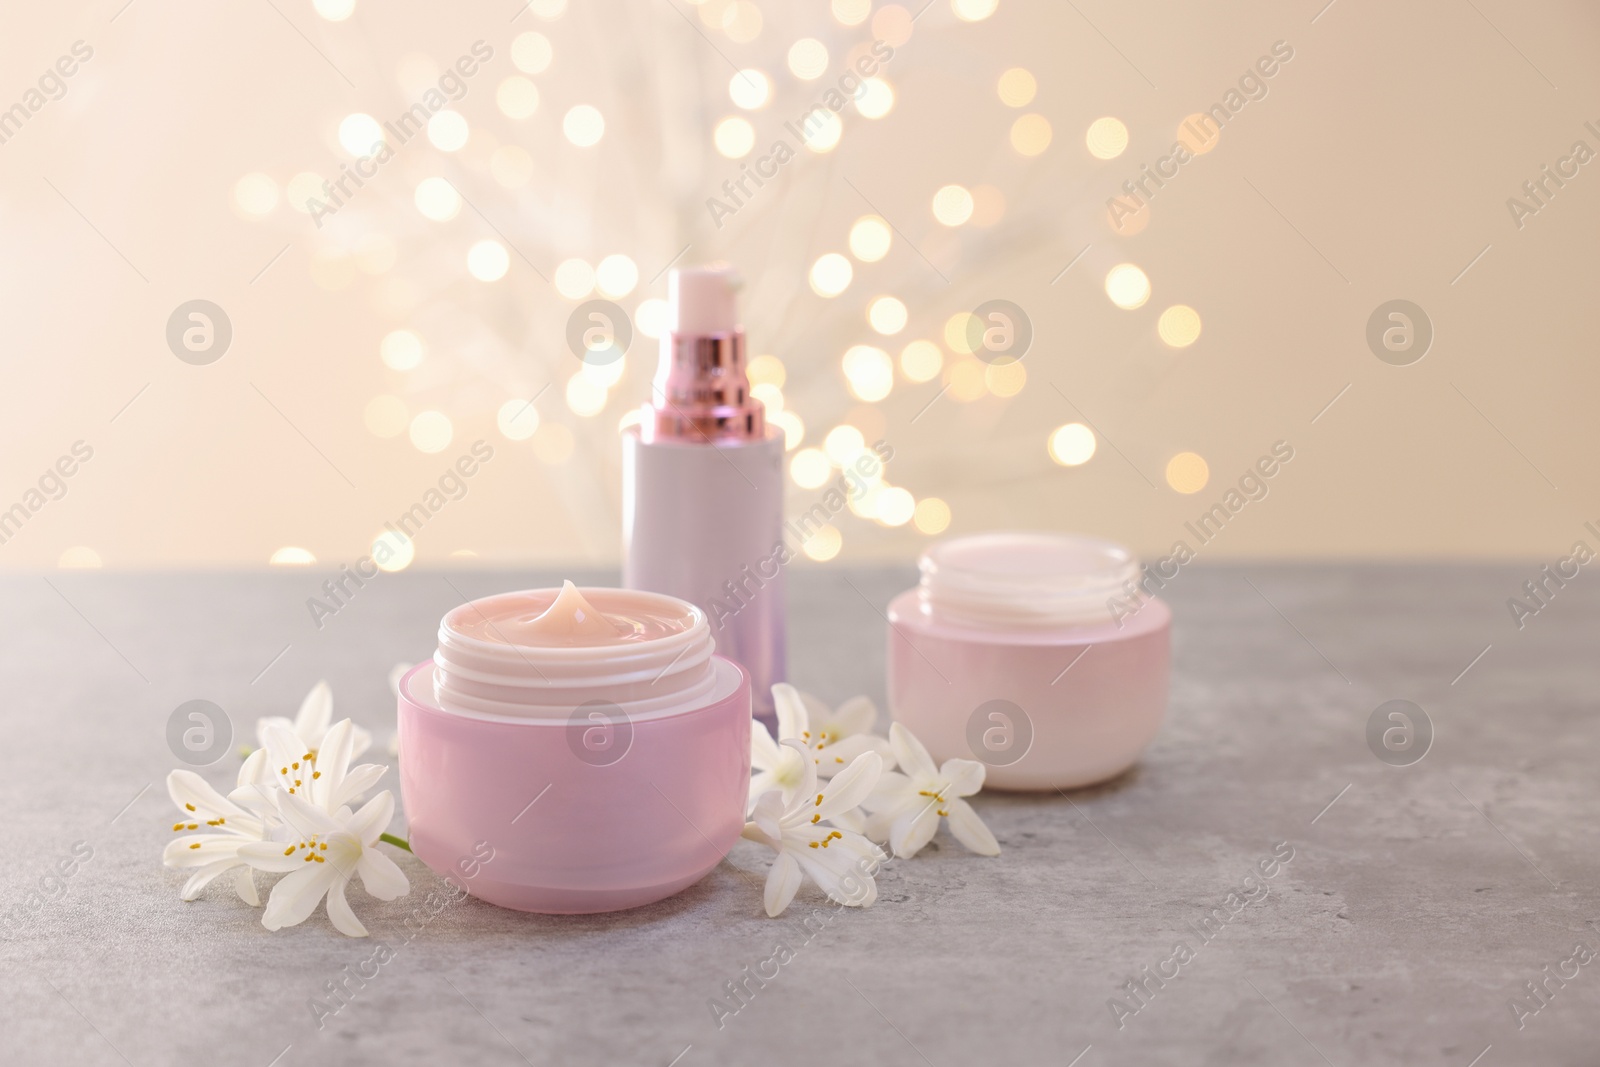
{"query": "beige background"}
pixel 1377 167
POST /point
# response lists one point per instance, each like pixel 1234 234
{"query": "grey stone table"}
pixel 1418 902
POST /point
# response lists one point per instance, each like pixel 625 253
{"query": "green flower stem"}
pixel 397 842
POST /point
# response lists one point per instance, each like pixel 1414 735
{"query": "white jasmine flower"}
pixel 831 739
pixel 326 850
pixel 833 736
pixel 906 807
pixel 311 723
pixel 229 824
pixel 841 862
pixel 777 767
pixel 320 776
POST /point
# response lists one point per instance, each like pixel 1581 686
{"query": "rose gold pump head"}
pixel 701 391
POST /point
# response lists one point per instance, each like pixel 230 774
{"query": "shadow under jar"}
pixel 1035 653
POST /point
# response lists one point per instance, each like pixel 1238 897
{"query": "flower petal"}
pixel 296 895
pixel 969 829
pixel 965 776
pixel 340 914
pixel 909 753
pixel 203 877
pixel 373 818
pixel 244 883
pixel 181 853
pixel 760 784
pixel 837 755
pixel 270 856
pixel 869 857
pixel 257 799
pixel 783 882
pixel 854 820
pixel 381 876
pixel 194 796
pixel 304 817
pixel 858 715
pixel 851 786
pixel 790 771
pixel 845 870
pixel 333 761
pixel 768 814
pixel 358 781
pixel 784 776
pixel 879 826
pixel 253 770
pixel 764 751
pixel 816 711
pixel 802 802
pixel 316 711
pixel 892 792
pixel 284 748
pixel 793 721
pixel 267 724
pixel 914 827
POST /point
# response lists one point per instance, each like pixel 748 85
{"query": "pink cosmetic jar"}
pixel 589 741
pixel 1038 654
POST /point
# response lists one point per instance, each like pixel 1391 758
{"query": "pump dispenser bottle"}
pixel 702 491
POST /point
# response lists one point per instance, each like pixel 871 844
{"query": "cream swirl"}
pixel 540 653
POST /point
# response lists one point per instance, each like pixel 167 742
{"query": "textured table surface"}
pixel 1414 909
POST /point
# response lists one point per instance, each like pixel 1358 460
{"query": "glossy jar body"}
pixel 572 834
pixel 575 750
pixel 1058 700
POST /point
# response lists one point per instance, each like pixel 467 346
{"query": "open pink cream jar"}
pixel 1036 653
pixel 590 741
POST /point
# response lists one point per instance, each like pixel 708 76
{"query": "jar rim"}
pixel 665 661
pixel 1027 578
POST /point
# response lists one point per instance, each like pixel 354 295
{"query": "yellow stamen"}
pixel 819 800
pixel 813 844
pixel 177 826
pixel 323 846
pixel 816 818
pixel 295 765
pixel 319 859
pixel 195 845
pixel 189 806
pixel 315 775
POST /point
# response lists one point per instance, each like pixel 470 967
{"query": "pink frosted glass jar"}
pixel 1035 653
pixel 590 742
